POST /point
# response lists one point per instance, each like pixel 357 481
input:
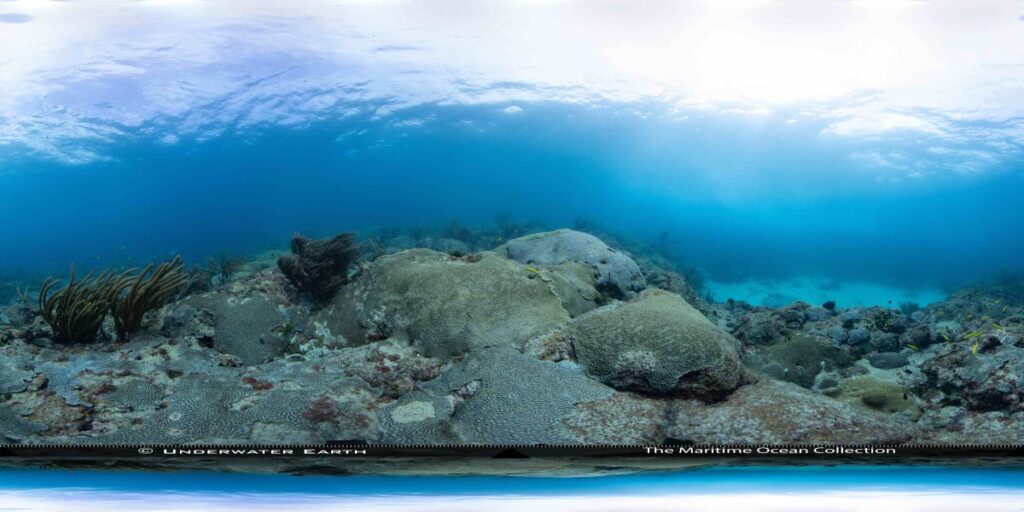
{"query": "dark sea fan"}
pixel 320 267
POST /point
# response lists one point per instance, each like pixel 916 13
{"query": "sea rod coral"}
pixel 133 294
pixel 75 312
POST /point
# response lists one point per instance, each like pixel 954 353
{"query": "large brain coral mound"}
pixel 618 274
pixel 445 305
pixel 320 267
pixel 497 396
pixel 658 344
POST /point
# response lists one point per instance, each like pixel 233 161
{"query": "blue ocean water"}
pixel 137 132
pixel 749 488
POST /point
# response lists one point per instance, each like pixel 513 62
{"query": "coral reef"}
pixel 468 336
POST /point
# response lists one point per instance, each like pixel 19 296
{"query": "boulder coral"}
pixel 445 306
pixel 657 344
pixel 618 274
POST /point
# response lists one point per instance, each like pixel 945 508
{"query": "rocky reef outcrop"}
pixel 548 338
pixel 618 274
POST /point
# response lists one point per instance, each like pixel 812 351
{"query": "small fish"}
pixel 531 269
pixel 974 349
pixel 972 335
pixel 912 347
pixel 1006 308
pixel 998 301
pixel 944 336
pixel 997 326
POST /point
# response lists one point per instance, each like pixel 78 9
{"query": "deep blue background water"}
pixel 738 198
pixel 858 141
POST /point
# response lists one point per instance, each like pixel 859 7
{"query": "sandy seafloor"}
pixel 819 289
pixel 889 488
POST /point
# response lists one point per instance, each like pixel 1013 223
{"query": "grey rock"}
pixel 852 315
pixel 838 334
pixel 858 336
pixel 818 314
pixel 887 360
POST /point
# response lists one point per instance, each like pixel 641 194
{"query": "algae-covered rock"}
pixel 991 379
pixel 876 394
pixel 444 305
pixel 658 344
pixel 761 326
pixel 617 272
pixel 773 412
pixel 496 396
pixel 14 428
pixel 622 418
pixel 799 359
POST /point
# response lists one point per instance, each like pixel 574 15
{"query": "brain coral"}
pixel 245 326
pixel 446 306
pixel 658 344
